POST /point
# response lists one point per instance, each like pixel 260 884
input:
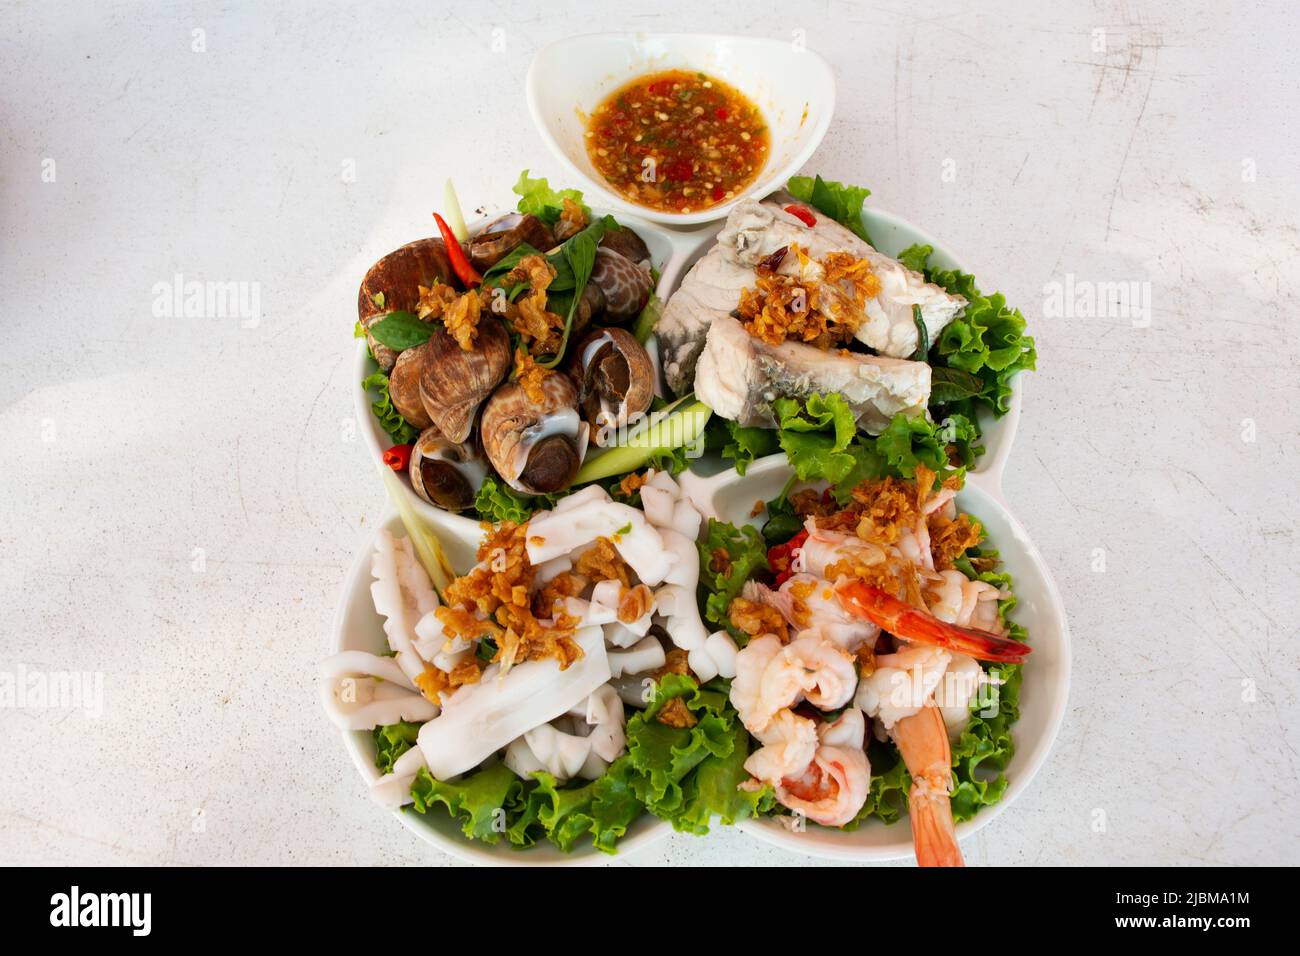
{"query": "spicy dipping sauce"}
pixel 677 141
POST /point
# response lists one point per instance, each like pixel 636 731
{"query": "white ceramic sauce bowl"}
pixel 791 85
pixel 357 626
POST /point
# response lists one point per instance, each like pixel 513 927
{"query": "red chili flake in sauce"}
pixel 678 141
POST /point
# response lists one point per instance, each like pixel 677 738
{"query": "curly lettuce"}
pixel 980 756
pixel 390 419
pixel 815 435
pixel 497 501
pixel 980 352
pixel 821 441
pixel 392 741
pixel 744 444
pixel 689 775
pixel 537 197
pixel 729 556
pixel 493 802
pixel 481 801
pixel 602 809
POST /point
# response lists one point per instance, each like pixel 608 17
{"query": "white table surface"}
pixel 130 440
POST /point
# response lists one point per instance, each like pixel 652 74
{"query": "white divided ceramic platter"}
pixel 357 626
pixel 791 85
pixel 716 487
pixel 1043 694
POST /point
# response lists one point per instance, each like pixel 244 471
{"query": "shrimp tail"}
pixel 933 834
pixel 922 741
pixel 902 620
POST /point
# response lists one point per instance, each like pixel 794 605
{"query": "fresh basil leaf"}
pixel 496 273
pixel 579 255
pixel 401 331
pixel 949 384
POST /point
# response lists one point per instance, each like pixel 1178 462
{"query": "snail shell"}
pixel 625 285
pixel 503 235
pixel 616 381
pixel 453 381
pixel 445 473
pixel 398 276
pixel 536 447
pixel 404 386
pixel 626 243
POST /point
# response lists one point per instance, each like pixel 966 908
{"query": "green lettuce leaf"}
pixel 714 789
pixel 981 754
pixel 746 555
pixel 481 801
pixel 537 197
pixel 390 419
pixel 822 443
pixel 664 756
pixel 497 501
pixel 745 444
pixel 392 741
pixel 815 435
pixel 909 442
pixel 987 341
pixel 842 203
pixel 614 804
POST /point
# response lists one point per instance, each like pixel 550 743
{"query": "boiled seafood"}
pixel 454 381
pixel 536 446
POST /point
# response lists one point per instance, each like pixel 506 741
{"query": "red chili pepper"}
pixel 464 271
pixel 721 113
pixel 718 193
pixel 779 557
pixel 803 214
pixel 398 457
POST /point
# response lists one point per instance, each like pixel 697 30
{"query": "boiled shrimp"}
pixel 808 668
pixel 922 740
pixel 818 610
pixel 771 677
pixel 751 662
pixel 955 598
pixel 822 548
pixel 903 620
pixel 832 788
pixel 789 745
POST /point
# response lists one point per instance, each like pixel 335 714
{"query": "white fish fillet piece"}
pixel 739 376
pixel 710 290
pixel 754 230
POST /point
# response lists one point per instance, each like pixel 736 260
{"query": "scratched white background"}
pixel 129 441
